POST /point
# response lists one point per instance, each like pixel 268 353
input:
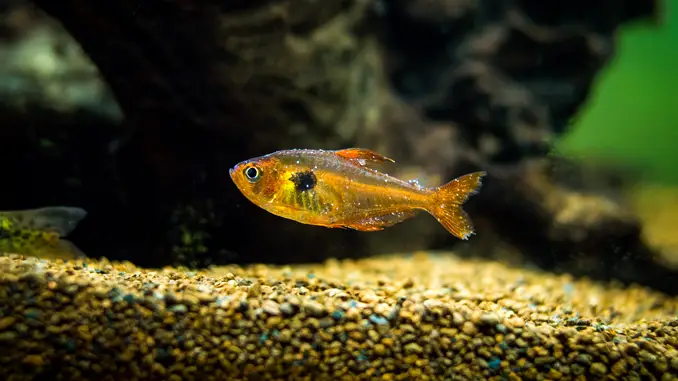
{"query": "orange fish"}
pixel 343 189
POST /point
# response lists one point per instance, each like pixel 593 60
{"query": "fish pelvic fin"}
pixel 362 156
pixel 447 201
pixel 53 219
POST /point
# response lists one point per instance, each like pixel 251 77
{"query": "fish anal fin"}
pixel 56 219
pixel 363 228
pixel 363 157
pixel 380 221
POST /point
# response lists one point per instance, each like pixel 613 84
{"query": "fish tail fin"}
pixel 447 201
pixel 55 219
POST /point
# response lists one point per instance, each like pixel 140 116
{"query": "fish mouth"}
pixel 231 171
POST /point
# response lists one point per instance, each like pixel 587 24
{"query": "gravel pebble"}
pixel 390 318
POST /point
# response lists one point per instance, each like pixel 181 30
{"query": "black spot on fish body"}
pixel 304 181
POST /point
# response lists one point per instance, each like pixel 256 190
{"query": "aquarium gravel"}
pixel 427 316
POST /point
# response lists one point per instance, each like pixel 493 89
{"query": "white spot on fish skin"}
pixel 362 162
pixel 297 161
pixel 415 183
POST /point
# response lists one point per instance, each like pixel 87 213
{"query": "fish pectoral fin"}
pixel 363 156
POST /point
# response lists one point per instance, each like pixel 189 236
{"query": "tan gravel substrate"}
pixel 419 317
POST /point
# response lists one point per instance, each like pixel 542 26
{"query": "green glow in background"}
pixel 632 113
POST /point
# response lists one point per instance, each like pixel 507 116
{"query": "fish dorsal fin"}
pixel 363 157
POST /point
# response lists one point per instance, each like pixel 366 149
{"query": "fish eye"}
pixel 253 174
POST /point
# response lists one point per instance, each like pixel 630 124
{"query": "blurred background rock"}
pixel 135 112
